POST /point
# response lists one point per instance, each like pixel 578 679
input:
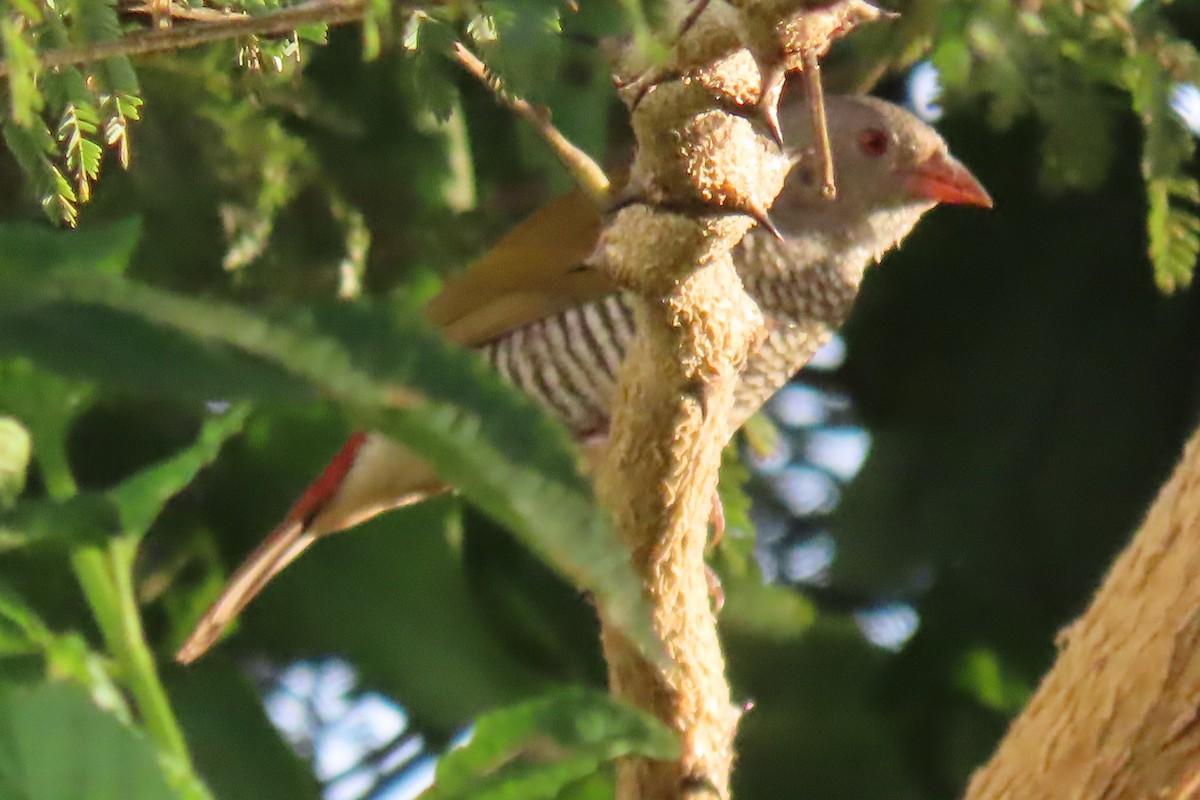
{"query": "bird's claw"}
pixel 716 592
pixel 716 518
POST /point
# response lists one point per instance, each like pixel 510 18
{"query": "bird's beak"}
pixel 942 178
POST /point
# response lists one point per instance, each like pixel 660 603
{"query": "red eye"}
pixel 873 142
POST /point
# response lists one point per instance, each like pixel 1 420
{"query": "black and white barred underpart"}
pixel 568 362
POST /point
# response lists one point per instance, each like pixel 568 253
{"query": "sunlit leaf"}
pixel 15 451
pixel 536 749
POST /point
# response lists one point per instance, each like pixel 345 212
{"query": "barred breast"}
pixel 805 293
pixel 567 363
pixel 787 348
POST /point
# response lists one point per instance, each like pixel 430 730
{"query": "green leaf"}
pixel 376 27
pixel 100 759
pixel 104 249
pixel 123 352
pixel 80 123
pixel 119 111
pixel 772 612
pixel 519 42
pixel 428 41
pixel 93 20
pixel 1172 219
pixel 537 749
pixel 65 86
pixel 66 656
pixel 20 56
pixel 597 786
pixel 735 502
pixel 47 405
pixel 141 497
pixel 15 451
pixel 1173 224
pixel 82 519
pixel 32 146
pixel 21 631
pixel 983 676
pixel 391 370
pixel 69 658
pixel 281 167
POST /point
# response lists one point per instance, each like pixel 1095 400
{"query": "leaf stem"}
pixel 106 577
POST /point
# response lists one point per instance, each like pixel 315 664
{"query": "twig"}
pixel 816 102
pixel 586 172
pixel 178 11
pixel 179 37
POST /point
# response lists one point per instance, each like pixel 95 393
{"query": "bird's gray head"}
pixel 890 168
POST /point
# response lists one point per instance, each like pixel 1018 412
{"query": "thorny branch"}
pixel 702 175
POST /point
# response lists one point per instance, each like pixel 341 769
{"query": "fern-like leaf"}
pixel 32 148
pixel 19 54
pixel 120 110
pixel 93 20
pixel 79 123
pixel 426 39
pixel 1174 229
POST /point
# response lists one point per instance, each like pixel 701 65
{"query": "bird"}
pixel 557 329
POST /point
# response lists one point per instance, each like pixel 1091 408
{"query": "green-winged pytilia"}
pixel 558 332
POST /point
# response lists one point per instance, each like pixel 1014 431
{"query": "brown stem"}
pixel 1118 716
pixel 587 173
pixel 816 100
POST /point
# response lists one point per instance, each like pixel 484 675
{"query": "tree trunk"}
pixel 1118 716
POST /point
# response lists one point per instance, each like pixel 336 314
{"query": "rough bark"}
pixel 676 393
pixel 703 172
pixel 1118 716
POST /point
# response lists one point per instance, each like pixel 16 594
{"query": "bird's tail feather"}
pixel 279 549
pixel 370 475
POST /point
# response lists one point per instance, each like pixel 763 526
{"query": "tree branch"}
pixel 196 33
pixel 1118 716
pixel 587 173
